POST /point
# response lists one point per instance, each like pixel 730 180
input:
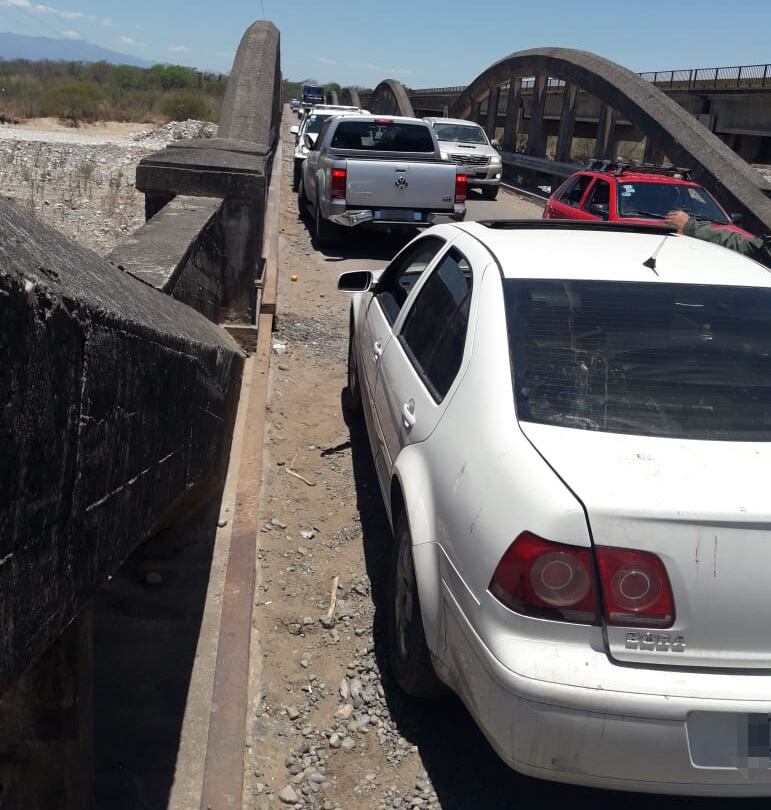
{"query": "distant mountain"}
pixel 17 46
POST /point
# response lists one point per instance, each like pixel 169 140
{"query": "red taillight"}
pixel 536 577
pixel 337 191
pixel 383 121
pixel 549 580
pixel 635 588
pixel 460 188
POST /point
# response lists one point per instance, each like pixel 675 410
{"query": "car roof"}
pixel 639 177
pixel 371 117
pixel 564 250
pixel 453 121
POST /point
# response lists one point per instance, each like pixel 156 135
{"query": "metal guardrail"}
pixel 719 78
pixel 539 165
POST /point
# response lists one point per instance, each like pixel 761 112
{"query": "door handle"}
pixel 377 351
pixel 408 414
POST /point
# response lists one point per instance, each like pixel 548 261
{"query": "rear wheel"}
pixel 296 173
pixel 324 232
pixel 407 650
pixel 490 192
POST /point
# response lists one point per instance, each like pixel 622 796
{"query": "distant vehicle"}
pixel 633 193
pixel 383 170
pixel 571 431
pixel 467 145
pixel 310 125
pixel 313 94
pixel 294 104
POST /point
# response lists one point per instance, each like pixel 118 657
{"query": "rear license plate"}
pixel 399 215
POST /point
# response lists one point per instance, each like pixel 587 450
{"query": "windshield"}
pixel 460 133
pixel 315 122
pixel 675 360
pixel 383 136
pixel 656 200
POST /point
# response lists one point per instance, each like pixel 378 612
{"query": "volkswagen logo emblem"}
pixel 401 183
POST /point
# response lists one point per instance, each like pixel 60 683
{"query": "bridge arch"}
pixel 333 97
pixel 673 130
pixel 350 95
pixel 390 98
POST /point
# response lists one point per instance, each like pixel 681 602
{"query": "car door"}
pixel 421 364
pixel 374 330
pixel 311 165
pixel 566 202
pixel 596 202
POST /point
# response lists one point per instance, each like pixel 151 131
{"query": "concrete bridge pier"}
pixel 46 727
pixel 536 134
pixel 605 144
pixel 513 115
pixel 492 111
pixel 567 124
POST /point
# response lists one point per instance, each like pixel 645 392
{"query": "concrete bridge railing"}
pixel 119 393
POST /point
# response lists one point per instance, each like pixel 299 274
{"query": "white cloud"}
pixel 179 49
pixel 41 8
pixel 327 61
pixel 72 35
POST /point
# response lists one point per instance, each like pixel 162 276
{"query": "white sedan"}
pixel 570 425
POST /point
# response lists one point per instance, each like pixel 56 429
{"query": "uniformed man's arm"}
pixel 701 229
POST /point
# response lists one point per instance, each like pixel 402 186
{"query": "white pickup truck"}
pixel 383 170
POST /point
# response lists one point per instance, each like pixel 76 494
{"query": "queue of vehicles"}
pixel 551 408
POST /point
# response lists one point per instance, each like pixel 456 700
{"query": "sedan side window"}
pixel 400 276
pixel 434 332
pixel 573 195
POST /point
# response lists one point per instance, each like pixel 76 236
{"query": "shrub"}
pixel 183 105
pixel 72 100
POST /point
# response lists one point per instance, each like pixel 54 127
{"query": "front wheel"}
pixel 353 391
pixel 407 649
pixel 296 173
pixel 490 192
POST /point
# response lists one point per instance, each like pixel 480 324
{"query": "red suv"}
pixel 625 192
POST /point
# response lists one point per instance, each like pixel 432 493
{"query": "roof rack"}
pixel 618 167
pixel 574 225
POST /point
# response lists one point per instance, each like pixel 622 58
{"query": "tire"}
pixel 296 174
pixel 352 391
pixel 324 233
pixel 490 192
pixel 407 650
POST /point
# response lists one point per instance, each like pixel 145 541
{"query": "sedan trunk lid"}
pixel 704 508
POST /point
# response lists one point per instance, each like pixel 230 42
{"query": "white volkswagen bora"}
pixel 571 426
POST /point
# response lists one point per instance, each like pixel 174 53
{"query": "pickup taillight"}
pixel 337 189
pixel 461 181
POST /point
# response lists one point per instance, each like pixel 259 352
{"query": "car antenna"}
pixel 651 262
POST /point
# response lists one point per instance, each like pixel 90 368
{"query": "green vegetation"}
pixel 84 92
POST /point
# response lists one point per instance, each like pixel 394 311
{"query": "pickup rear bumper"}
pixel 352 217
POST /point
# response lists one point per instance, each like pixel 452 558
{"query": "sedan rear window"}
pixel 674 360
pixel 392 136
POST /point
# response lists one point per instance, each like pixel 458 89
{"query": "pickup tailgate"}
pixel 400 184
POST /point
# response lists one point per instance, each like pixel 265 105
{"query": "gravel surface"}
pixel 81 183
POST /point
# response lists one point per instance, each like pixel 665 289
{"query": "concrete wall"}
pixel 117 409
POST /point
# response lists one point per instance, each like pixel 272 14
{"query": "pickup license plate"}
pixel 399 215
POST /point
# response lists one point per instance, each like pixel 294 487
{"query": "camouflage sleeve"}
pixel 701 229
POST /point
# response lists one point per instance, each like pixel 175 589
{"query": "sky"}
pixel 424 44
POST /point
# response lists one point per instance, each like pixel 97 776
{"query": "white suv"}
pixel 571 427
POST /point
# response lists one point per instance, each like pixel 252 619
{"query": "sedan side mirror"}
pixel 495 143
pixel 295 130
pixel 355 281
pixel 737 219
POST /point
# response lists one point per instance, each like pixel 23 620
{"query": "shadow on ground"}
pixel 147 623
pixel 362 242
pixel 465 771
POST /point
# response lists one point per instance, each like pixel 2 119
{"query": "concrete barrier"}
pixel 117 409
